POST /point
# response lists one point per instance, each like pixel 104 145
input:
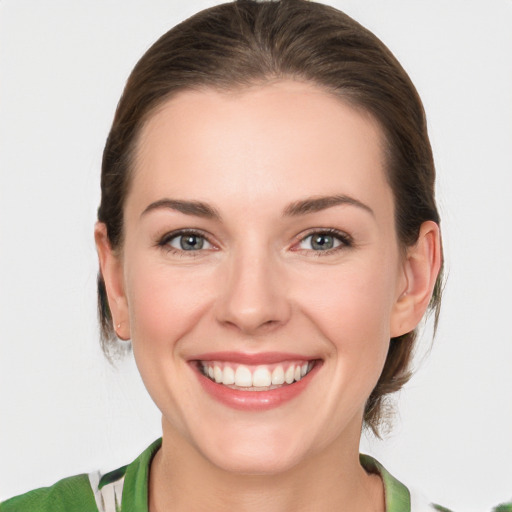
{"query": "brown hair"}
pixel 246 42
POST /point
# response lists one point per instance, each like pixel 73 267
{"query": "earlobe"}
pixel 420 270
pixel 111 269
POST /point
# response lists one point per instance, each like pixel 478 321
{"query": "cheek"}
pixel 352 306
pixel 166 302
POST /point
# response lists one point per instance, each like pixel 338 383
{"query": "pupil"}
pixel 191 242
pixel 322 242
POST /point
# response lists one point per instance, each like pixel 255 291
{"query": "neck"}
pixel 181 479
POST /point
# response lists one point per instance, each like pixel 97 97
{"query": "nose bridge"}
pixel 253 296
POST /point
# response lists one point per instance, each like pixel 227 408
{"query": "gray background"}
pixel 63 410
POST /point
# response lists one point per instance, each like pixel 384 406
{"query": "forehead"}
pixel 262 142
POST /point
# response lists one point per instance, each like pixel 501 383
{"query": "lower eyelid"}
pixel 342 240
pixel 165 240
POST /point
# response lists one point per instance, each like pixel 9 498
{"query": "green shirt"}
pixel 504 507
pixel 126 489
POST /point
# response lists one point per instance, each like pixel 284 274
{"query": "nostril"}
pixel 251 299
pixel 253 327
pixel 261 316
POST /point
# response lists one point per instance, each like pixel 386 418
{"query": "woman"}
pixel 268 240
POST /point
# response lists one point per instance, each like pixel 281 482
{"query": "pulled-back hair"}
pixel 249 42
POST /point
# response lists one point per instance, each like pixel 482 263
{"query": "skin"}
pixel 258 285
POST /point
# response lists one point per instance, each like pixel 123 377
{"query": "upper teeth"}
pixel 255 376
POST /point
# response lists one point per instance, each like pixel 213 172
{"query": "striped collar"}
pixel 127 487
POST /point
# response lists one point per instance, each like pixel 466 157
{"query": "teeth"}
pixel 228 376
pixel 261 378
pixel 278 375
pixel 255 377
pixel 243 377
pixel 289 376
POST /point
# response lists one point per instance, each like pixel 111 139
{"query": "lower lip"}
pixel 256 400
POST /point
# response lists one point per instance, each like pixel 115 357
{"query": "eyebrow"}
pixel 197 208
pixel 297 208
pixel 316 204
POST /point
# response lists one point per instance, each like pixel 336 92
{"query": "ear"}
pixel 111 269
pixel 420 271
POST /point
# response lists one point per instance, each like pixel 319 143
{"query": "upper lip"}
pixel 252 359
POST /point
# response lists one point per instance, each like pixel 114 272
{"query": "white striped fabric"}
pixel 108 498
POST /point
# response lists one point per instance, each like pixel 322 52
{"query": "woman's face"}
pixel 259 249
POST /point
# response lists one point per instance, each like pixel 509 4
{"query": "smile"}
pixel 255 378
pixel 254 382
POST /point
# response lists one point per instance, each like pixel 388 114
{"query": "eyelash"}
pixel 164 242
pixel 344 239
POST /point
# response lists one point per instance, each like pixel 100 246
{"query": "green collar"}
pixel 397 496
pixel 135 488
pixel 136 479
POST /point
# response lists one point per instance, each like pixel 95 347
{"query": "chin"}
pixel 255 461
pixel 260 451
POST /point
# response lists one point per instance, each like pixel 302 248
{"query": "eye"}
pixel 324 241
pixel 185 241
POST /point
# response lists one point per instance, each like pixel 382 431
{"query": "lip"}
pixel 253 359
pixel 254 400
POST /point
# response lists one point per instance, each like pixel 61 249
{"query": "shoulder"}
pixel 93 492
pixel 399 498
pixel 73 494
pixel 504 507
pixel 81 493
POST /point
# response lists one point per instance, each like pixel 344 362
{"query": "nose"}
pixel 253 298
